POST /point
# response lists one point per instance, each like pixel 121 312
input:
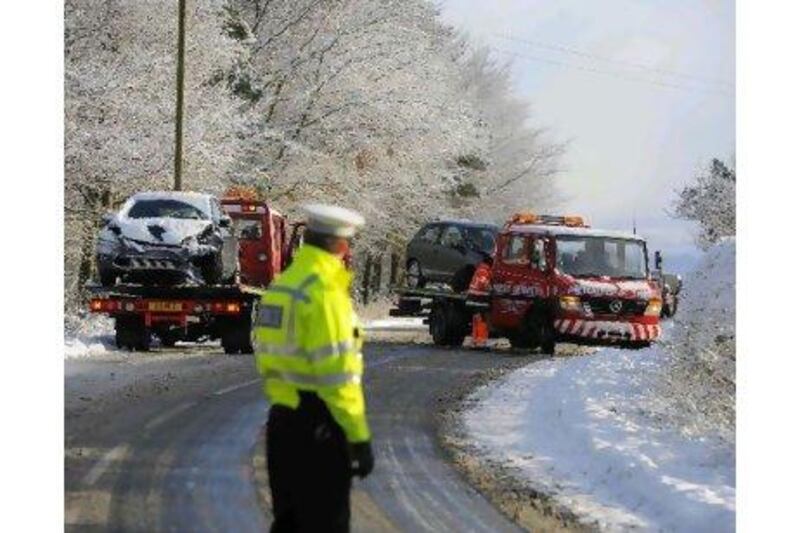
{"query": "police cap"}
pixel 332 220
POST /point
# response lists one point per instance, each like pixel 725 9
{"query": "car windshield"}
pixel 482 238
pixel 165 208
pixel 601 256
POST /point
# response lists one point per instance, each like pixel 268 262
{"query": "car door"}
pixel 451 256
pixel 424 248
pixel 511 267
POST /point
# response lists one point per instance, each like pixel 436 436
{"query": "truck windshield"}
pixel 601 256
pixel 165 208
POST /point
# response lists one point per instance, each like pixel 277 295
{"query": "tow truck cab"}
pixel 261 233
pixel 556 279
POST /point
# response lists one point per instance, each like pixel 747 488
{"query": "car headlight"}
pixel 187 241
pixel 653 307
pixel 571 303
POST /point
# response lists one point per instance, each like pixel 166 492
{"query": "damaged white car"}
pixel 167 238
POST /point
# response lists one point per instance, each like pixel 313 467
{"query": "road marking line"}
pixel 117 453
pixel 232 388
pixel 166 415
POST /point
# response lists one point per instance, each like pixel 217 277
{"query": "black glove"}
pixel 361 459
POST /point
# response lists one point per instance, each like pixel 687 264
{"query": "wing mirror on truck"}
pixel 659 260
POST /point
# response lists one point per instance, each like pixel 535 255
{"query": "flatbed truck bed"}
pixel 178 313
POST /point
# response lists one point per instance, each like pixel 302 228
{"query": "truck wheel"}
pixel 168 339
pixel 414 277
pixel 446 327
pixel 131 334
pixel 462 279
pixel 236 337
pixel 547 337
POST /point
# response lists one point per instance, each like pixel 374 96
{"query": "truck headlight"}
pixel 653 308
pixel 262 257
pixel 571 303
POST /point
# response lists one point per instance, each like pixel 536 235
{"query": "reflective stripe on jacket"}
pixel 307 337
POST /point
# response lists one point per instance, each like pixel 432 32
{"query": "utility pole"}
pixel 178 175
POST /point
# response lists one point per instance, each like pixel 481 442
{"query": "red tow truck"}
pixel 191 313
pixel 551 279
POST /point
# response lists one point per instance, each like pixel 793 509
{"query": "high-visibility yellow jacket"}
pixel 308 338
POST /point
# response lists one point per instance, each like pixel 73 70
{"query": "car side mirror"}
pixel 225 222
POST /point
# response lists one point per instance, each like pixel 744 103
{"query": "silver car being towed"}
pixel 167 238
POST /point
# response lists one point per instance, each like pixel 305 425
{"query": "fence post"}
pixel 365 285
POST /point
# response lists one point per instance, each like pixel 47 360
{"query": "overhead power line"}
pixel 620 75
pixel 611 61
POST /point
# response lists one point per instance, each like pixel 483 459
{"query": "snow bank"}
pixel 88 335
pixel 580 430
pixel 699 388
pixel 395 324
pixel 630 439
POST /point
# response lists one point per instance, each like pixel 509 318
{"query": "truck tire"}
pixel 547 337
pixel 237 336
pixel 131 334
pixel 536 330
pixel 462 279
pixel 168 339
pixel 446 326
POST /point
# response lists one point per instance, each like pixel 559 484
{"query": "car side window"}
pixel 514 252
pixel 430 234
pixel 451 236
pixel 538 257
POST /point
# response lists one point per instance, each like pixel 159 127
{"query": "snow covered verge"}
pixel 626 439
pixel 699 386
pixel 88 335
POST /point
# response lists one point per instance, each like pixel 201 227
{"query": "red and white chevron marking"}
pixel 595 329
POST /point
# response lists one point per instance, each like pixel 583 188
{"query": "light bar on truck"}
pixel 573 221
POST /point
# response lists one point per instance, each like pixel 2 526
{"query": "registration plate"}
pixel 165 307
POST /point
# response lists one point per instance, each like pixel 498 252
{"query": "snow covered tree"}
pixel 119 110
pixel 711 202
pixel 521 161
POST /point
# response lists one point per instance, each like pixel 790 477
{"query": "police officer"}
pixel 308 350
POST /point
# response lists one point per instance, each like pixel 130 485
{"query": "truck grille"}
pixel 606 306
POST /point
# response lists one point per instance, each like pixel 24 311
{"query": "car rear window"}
pixel 430 234
pixel 165 208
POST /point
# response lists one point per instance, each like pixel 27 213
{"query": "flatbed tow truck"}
pixel 196 312
pixel 551 279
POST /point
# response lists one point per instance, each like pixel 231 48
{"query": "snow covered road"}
pixel 165 441
pixel 583 430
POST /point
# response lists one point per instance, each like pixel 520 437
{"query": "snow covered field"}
pixel 603 434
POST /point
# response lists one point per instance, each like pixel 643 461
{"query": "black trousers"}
pixel 309 469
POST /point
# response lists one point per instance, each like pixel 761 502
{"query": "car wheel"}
pixel 414 277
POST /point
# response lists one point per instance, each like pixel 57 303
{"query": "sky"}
pixel 642 91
